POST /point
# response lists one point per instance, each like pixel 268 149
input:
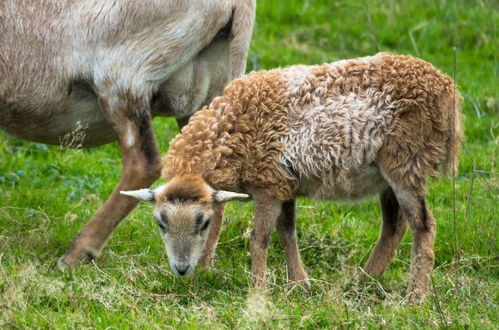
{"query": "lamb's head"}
pixel 184 210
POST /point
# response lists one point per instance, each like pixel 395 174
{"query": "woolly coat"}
pixel 334 131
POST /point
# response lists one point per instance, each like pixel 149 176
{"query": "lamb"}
pixel 339 131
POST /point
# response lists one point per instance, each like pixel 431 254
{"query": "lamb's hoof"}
pixel 258 285
pixel 372 272
pixel 299 278
pixel 206 263
pixel 415 297
pixel 305 283
pixel 74 257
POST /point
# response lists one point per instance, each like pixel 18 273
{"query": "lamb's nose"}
pixel 182 269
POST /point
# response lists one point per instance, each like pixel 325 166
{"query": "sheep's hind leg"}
pixel 267 210
pixel 392 232
pixel 423 227
pixel 132 123
pixel 287 235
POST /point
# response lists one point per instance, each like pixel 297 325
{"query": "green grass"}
pixel 48 193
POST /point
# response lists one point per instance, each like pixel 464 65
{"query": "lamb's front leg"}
pixel 211 244
pixel 267 210
pixel 287 235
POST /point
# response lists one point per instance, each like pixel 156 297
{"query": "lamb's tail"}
pixel 449 166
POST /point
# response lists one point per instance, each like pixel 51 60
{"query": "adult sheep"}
pixel 103 69
pixel 345 130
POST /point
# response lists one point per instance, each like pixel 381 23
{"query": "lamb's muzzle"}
pixel 345 130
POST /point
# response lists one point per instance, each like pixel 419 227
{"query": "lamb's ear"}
pixel 141 194
pixel 225 196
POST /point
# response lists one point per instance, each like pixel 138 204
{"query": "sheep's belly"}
pixel 352 185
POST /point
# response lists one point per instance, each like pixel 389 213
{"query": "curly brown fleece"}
pixel 236 139
pixel 275 129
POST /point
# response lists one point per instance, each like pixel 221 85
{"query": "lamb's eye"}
pixel 199 218
pixel 161 226
pixel 162 220
pixel 205 225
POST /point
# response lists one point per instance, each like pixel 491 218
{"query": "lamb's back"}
pixel 342 114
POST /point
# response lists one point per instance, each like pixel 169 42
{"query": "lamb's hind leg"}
pixel 423 227
pixel 287 236
pixel 392 232
pixel 132 123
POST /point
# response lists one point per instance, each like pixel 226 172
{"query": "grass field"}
pixel 47 193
